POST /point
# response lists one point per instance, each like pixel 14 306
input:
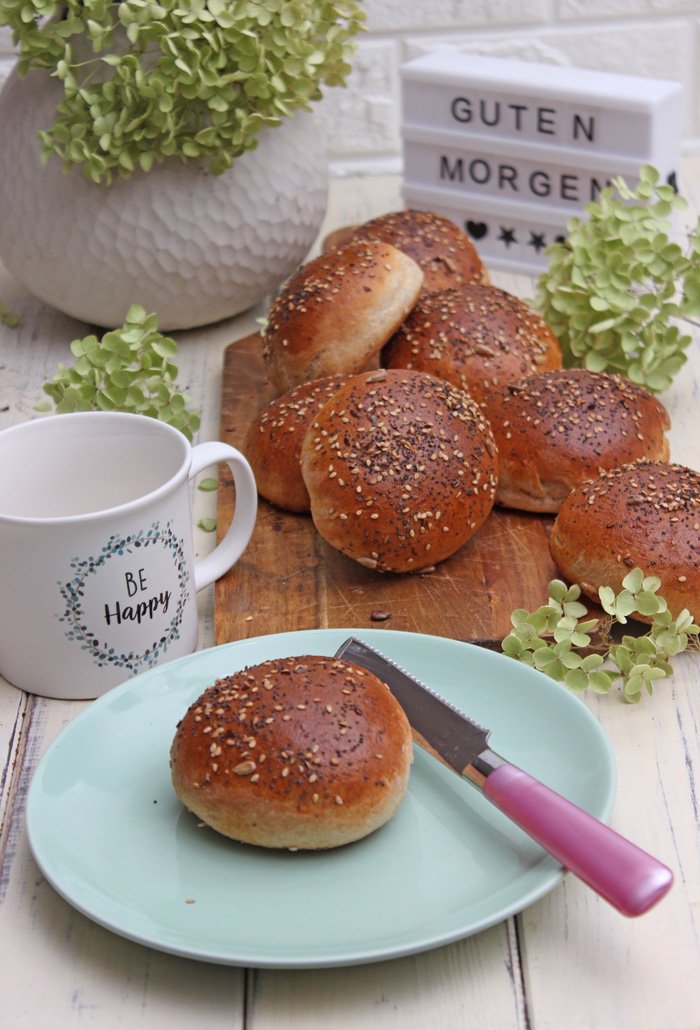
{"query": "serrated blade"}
pixel 451 735
pixel 618 870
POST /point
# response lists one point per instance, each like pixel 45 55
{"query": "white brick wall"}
pixel 658 38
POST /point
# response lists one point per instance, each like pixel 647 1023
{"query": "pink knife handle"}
pixel 618 870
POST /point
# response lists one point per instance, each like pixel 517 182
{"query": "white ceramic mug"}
pixel 97 576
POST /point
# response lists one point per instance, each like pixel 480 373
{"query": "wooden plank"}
pixel 641 973
pixel 289 578
pixel 473 983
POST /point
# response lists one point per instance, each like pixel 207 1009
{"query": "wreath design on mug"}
pixel 73 592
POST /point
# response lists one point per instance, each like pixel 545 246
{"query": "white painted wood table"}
pixel 568 962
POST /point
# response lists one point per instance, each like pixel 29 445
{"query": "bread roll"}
pixel 645 514
pixel 401 470
pixel 274 439
pixel 557 429
pixel 307 752
pixel 475 337
pixel 337 311
pixel 445 253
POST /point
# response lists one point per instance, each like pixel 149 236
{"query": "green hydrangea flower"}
pixel 556 638
pixel 616 286
pixel 127 369
pixel 147 80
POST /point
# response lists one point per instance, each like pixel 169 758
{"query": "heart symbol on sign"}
pixel 477 229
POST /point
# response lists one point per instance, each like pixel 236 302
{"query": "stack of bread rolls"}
pixel 397 322
pixel 326 328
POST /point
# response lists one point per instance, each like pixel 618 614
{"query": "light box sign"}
pixel 511 150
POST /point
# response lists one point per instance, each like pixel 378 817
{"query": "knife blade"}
pixel 626 876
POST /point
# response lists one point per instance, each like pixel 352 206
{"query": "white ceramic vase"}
pixel 188 245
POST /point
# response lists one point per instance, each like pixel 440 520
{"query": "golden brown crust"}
pixel 339 237
pixel 474 337
pixel 274 439
pixel 337 311
pixel 401 470
pixel 559 428
pixel 302 752
pixel 645 514
pixel 445 253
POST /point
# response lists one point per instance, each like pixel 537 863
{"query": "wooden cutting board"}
pixel 290 579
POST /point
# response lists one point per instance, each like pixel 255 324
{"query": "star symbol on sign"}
pixel 507 236
pixel 537 241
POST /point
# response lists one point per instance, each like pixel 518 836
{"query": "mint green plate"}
pixel 111 837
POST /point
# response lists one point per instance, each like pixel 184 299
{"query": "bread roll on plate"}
pixel 646 515
pixel 475 337
pixel 302 753
pixel 559 428
pixel 274 439
pixel 336 312
pixel 401 470
pixel 445 253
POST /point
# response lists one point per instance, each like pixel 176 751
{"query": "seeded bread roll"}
pixel 475 337
pixel 299 753
pixel 401 470
pixel 445 253
pixel 559 428
pixel 337 311
pixel 273 443
pixel 645 514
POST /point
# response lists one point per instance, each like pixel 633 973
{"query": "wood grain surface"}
pixel 290 579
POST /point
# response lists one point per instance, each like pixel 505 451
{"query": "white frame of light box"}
pixel 511 150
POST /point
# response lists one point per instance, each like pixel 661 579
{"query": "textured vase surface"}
pixel 188 245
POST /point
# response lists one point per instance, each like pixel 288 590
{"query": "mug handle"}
pixel 227 551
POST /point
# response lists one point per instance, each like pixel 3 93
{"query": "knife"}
pixel 627 877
